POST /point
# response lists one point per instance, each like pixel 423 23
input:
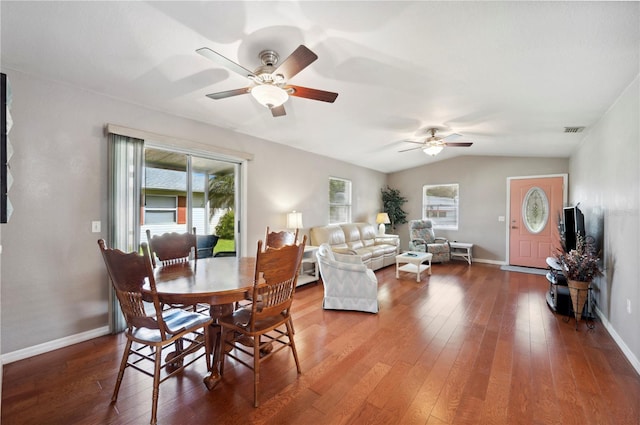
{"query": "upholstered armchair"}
pixel 423 239
pixel 348 283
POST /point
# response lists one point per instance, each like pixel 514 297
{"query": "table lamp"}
pixel 294 220
pixel 382 219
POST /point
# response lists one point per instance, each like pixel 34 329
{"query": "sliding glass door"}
pixel 183 190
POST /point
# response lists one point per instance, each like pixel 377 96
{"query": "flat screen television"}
pixel 573 226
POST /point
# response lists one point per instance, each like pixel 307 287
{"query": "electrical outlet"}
pixel 95 226
pixel 629 306
pixel 500 218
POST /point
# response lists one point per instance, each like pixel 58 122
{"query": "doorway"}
pixel 534 206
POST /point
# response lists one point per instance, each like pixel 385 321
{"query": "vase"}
pixel 579 292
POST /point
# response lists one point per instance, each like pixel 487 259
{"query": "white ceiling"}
pixel 507 75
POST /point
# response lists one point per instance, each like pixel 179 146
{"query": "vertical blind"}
pixel 125 181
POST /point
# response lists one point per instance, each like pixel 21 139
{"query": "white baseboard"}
pixel 53 345
pixel 496 262
pixel 625 350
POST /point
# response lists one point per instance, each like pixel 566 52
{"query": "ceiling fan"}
pixel 271 86
pixel 433 144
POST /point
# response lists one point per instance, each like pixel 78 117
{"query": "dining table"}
pixel 219 282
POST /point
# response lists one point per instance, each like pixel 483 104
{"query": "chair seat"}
pixel 177 321
pixel 241 318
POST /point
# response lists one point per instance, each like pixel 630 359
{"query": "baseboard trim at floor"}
pixel 25 353
pixel 625 349
pixel 529 270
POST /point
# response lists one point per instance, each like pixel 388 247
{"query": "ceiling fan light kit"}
pixel 269 95
pixel 433 145
pixel 433 150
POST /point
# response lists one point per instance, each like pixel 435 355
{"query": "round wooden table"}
pixel 216 281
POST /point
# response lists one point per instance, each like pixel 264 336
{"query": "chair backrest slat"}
pixel 172 248
pixel 280 239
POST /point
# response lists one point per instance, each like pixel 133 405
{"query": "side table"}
pixel 413 260
pixel 461 250
pixel 308 274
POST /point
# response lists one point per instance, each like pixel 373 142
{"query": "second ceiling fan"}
pixel 271 86
pixel 433 144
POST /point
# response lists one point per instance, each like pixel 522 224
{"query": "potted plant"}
pixel 392 203
pixel 580 266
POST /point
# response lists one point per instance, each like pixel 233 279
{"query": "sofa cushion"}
pixel 368 233
pixel 331 234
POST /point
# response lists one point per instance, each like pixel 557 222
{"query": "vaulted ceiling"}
pixel 509 76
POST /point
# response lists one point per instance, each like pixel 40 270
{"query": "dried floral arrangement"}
pixel 582 263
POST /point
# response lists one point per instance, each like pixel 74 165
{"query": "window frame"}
pixel 347 204
pixel 437 222
pixel 157 209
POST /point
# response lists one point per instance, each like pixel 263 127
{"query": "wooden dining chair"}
pixel 267 323
pixel 172 248
pixel 280 239
pixel 176 327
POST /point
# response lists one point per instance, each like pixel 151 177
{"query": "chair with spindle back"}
pixel 128 273
pixel 276 274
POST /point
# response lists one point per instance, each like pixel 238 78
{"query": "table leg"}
pixel 214 377
pixel 397 269
pixel 418 264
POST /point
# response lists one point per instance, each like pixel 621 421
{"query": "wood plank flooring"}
pixel 467 345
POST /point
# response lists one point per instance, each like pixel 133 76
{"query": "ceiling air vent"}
pixel 573 129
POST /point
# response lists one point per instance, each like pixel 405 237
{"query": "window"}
pixel 339 200
pixel 440 204
pixel 161 209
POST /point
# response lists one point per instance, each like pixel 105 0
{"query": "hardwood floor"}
pixel 467 345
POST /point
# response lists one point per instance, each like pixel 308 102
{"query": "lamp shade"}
pixel 294 220
pixel 432 150
pixel 269 95
pixel 383 218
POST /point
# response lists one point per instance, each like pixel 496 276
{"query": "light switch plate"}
pixel 95 226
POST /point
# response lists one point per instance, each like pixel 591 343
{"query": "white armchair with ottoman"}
pixel 348 283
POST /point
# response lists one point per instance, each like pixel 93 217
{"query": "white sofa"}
pixel 348 283
pixel 358 239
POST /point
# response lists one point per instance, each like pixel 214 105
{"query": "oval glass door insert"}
pixel 535 210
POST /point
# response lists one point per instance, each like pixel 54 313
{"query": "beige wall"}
pixel 605 173
pixel 483 196
pixel 54 284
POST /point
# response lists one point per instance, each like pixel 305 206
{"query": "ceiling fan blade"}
pixel 413 149
pixel 227 63
pixel 229 93
pixel 296 62
pixel 278 111
pixel 325 96
pixel 452 136
pixel 413 141
pixel 458 144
